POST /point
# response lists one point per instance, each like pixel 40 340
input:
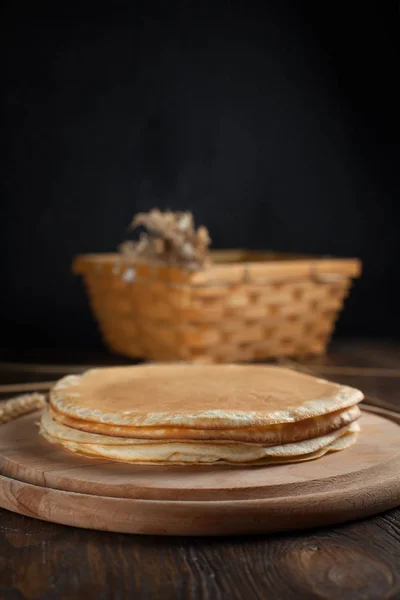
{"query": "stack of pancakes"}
pixel 194 414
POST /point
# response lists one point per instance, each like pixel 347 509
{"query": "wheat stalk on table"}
pixel 21 405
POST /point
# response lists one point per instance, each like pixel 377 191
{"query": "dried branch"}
pixel 171 238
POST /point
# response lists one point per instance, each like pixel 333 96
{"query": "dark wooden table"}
pixel 357 560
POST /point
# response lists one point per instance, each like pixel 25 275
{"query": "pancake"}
pixel 203 397
pixel 194 452
pixel 201 414
pixel 269 435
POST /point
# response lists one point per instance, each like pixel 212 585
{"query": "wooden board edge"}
pixel 391 415
pixel 192 518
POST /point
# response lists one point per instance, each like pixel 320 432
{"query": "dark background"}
pixel 276 124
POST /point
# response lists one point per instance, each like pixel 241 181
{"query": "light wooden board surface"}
pixel 42 481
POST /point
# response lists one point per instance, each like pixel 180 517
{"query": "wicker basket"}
pixel 246 306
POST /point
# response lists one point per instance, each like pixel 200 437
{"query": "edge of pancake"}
pixel 344 397
pixel 66 433
pixel 177 453
pixel 267 435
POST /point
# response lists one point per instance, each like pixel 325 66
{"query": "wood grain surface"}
pixel 360 560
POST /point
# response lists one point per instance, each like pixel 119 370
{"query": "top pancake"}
pixel 198 396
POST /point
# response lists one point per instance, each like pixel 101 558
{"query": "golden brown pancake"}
pixel 201 414
pixel 195 452
pixel 198 396
pixel 268 435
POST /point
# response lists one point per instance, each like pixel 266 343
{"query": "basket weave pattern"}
pixel 229 312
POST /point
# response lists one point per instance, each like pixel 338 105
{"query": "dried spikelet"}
pixel 172 238
pixel 21 405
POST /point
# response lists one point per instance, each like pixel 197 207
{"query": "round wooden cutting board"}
pixel 42 481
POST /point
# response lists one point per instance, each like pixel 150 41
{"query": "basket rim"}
pixel 264 262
